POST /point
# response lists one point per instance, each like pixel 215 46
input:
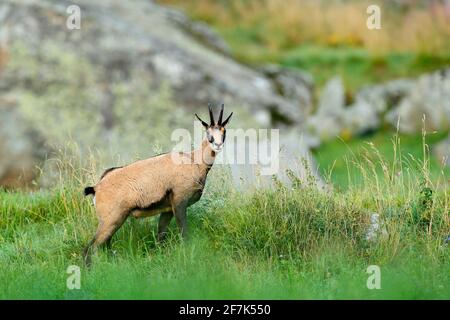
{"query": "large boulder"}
pixel 119 36
pixel 360 118
pixel 295 85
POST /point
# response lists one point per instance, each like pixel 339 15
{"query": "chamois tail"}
pixel 89 190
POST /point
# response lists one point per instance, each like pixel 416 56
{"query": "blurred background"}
pixel 117 87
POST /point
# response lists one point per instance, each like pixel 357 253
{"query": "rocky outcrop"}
pixel 404 103
pixel 371 103
pixel 365 114
pixel 119 37
pixel 294 85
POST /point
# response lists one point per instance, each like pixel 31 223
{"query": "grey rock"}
pixel 365 114
pixel 361 117
pixel 332 98
pixel 295 85
pixel 385 96
pixel 406 103
pixel 328 120
pixel 118 37
pixel 200 30
pixel 428 102
pixel 21 148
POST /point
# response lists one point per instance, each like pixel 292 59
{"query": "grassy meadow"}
pixel 288 242
pixel 343 162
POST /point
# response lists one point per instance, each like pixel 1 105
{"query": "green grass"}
pixel 336 157
pixel 287 242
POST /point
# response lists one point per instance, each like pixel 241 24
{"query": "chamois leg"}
pixel 105 231
pixel 179 211
pixel 164 221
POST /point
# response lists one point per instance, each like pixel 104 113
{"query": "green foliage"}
pixel 286 223
pixel 421 210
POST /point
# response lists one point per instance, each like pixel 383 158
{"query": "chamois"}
pixel 165 184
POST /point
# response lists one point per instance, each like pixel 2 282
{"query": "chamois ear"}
pixel 203 122
pixel 226 120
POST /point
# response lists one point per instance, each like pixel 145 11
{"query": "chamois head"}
pixel 215 131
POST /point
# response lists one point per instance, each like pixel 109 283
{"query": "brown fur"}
pixel 153 186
